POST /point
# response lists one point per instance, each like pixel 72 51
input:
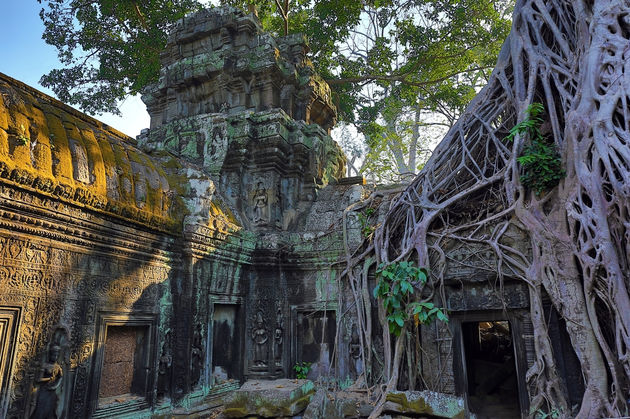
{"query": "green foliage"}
pixel 22 138
pixel 344 383
pixel 553 414
pixel 426 312
pixel 395 288
pixel 109 48
pixel 542 167
pixel 403 49
pixel 422 62
pixel 540 162
pixel 531 124
pixel 364 220
pixel 302 370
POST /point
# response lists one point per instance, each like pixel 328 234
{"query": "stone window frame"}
pixel 11 317
pixel 130 319
pixel 516 319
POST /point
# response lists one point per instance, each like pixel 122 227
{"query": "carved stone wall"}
pixel 224 216
pixel 55 280
pixel 92 228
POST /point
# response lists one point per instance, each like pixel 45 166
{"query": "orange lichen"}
pixel 54 149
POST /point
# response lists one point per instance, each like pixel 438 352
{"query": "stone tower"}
pixel 250 110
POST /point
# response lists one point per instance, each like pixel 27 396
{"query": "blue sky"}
pixel 26 57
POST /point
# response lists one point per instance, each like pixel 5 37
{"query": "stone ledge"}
pixel 267 399
pixel 433 404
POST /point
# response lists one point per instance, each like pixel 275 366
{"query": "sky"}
pixel 26 57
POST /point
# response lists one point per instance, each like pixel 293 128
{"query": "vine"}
pixel 395 288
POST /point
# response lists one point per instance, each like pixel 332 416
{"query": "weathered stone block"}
pixel 270 398
pixel 325 405
pixel 426 402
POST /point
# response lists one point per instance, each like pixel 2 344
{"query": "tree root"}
pixel 574 57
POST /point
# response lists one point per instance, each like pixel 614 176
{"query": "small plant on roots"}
pixel 395 288
pixel 364 220
pixel 302 369
pixel 553 414
pixel 540 161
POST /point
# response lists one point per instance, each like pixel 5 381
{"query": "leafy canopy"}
pixel 391 63
pixel 109 48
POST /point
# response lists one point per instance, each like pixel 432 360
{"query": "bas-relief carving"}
pixel 354 349
pixel 82 338
pixel 278 336
pixel 164 366
pixel 260 338
pixel 260 206
pixel 271 206
pixel 24 268
pixel 48 394
pixel 196 357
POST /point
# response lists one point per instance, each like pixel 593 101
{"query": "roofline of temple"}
pixel 67 108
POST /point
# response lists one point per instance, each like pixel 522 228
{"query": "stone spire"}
pixel 220 61
pixel 249 110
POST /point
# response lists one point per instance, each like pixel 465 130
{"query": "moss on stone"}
pixel 35 152
pixel 427 403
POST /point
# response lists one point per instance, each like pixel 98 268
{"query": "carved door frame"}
pixel 515 318
pixel 10 319
pixel 121 318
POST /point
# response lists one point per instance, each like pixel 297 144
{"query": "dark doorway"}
pixel 315 338
pixel 225 344
pixel 491 369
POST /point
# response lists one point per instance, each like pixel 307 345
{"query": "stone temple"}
pixel 174 266
pixel 153 276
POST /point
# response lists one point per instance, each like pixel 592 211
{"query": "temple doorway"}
pixel 492 384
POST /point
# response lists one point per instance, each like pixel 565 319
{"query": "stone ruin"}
pixel 154 276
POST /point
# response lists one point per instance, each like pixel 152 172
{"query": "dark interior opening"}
pixel 225 344
pixel 316 338
pixel 491 369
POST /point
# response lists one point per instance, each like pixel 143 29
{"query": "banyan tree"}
pixel 543 150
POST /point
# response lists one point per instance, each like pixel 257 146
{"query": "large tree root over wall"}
pixel 573 57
